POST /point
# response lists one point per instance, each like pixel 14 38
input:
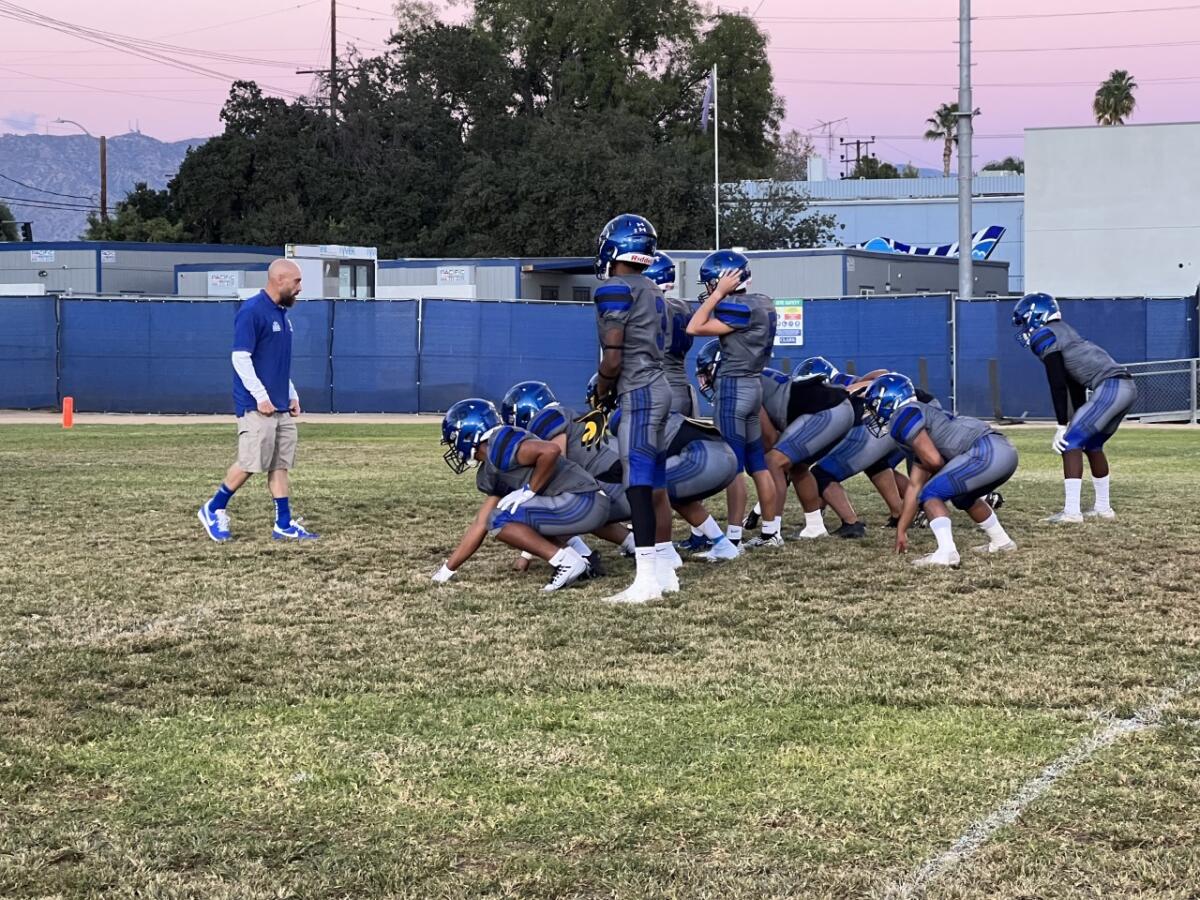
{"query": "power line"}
pixel 907 20
pixel 273 12
pixel 104 90
pixel 1182 80
pixel 925 51
pixel 44 204
pixel 30 187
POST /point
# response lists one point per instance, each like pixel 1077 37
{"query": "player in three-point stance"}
pixel 956 460
pixel 1075 365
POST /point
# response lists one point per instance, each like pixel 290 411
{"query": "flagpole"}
pixel 716 162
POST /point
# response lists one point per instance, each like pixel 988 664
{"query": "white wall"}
pixel 1113 211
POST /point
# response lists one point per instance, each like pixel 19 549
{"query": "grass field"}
pixel 185 720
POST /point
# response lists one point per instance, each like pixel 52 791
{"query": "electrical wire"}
pixel 1000 17
pixel 31 187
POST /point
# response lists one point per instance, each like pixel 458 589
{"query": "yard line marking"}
pixel 973 839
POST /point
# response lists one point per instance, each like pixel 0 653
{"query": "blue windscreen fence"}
pixel 172 355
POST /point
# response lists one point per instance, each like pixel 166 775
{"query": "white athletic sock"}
pixel 772 526
pixel 1101 486
pixel 710 529
pixel 627 545
pixel 758 509
pixel 994 530
pixel 814 521
pixel 647 561
pixel 665 549
pixel 699 532
pixel 734 532
pixel 941 530
pixel 1073 488
pixel 577 544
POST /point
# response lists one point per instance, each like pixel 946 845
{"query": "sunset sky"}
pixel 1026 74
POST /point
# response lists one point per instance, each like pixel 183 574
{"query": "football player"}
pixel 745 325
pixel 633 326
pixel 956 460
pixel 803 419
pixel 700 464
pixel 524 400
pixel 1074 366
pixel 820 366
pixel 679 342
pixel 535 497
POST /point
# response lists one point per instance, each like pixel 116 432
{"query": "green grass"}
pixel 181 719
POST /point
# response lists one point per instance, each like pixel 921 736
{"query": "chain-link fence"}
pixel 1167 390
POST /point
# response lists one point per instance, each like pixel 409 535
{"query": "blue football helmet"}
pixel 661 271
pixel 627 238
pixel 1031 313
pixel 524 400
pixel 816 367
pixel 708 360
pixel 883 397
pixel 717 264
pixel 465 425
pixel 614 422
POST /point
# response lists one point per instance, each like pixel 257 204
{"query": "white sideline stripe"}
pixel 971 840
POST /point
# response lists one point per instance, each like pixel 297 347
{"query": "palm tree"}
pixel 1114 101
pixel 943 126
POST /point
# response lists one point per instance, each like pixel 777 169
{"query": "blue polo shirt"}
pixel 262 329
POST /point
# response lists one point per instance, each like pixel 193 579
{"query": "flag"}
pixel 706 105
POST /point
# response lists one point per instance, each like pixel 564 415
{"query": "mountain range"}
pixel 37 170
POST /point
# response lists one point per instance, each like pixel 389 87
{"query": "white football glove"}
pixel 444 574
pixel 1059 444
pixel 510 502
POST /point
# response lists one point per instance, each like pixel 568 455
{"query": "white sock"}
pixel 772 526
pixel 665 549
pixel 710 529
pixel 734 532
pixel 627 545
pixel 994 530
pixel 699 532
pixel 647 560
pixel 758 509
pixel 565 557
pixel 814 521
pixel 1073 488
pixel 941 530
pixel 1101 486
pixel 576 543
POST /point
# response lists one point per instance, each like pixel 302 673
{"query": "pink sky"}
pixel 48 75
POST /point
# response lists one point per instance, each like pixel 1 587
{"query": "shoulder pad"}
pixel 502 446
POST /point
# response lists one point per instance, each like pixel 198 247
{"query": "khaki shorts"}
pixel 266 443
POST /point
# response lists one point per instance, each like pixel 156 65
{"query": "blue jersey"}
pixel 262 329
pixel 679 342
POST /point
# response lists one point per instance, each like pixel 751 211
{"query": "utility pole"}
pixel 828 128
pixel 333 84
pixel 965 108
pixel 103 178
pixel 861 148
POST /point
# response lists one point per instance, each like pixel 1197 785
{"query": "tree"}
pixel 8 227
pixel 144 215
pixel 943 126
pixel 1114 101
pixel 1008 164
pixel 771 216
pixel 791 157
pixel 870 167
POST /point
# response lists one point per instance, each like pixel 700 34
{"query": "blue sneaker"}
pixel 216 523
pixel 697 543
pixel 294 532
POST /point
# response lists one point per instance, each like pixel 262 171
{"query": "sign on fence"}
pixel 789 322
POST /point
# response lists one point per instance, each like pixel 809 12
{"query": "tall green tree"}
pixel 871 167
pixel 772 216
pixel 8 227
pixel 1114 101
pixel 1008 164
pixel 943 126
pixel 144 215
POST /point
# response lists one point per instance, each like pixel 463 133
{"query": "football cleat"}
pixel 892 521
pixel 764 540
pixel 804 534
pixel 1007 547
pixel 595 566
pixel 851 530
pixel 1063 518
pixel 937 558
pixel 994 499
pixel 1095 513
pixel 696 543
pixel 641 591
pixel 570 571
pixel 294 532
pixel 920 520
pixel 751 521
pixel 215 523
pixel 722 550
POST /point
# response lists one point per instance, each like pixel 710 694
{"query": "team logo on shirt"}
pixel 275 326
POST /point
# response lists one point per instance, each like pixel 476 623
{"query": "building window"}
pixel 581 294
pixel 549 292
pixel 866 291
